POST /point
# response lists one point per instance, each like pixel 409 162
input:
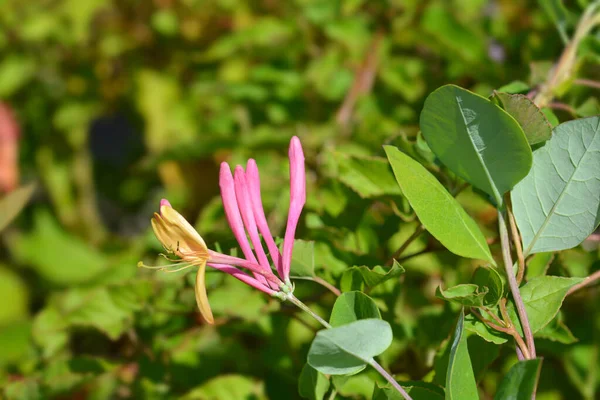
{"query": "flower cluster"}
pixel 242 202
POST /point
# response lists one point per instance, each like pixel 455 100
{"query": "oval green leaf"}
pixel 460 380
pixel 476 139
pixel 520 381
pixel 352 306
pixel 437 210
pixel 557 205
pixel 349 348
pixel 534 123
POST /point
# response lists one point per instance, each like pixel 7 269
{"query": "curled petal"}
pixel 176 234
pixel 253 182
pixel 297 200
pixel 201 297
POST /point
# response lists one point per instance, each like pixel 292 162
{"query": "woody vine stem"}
pixel 373 363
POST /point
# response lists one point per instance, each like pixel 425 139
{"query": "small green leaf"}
pixel 515 87
pixel 312 384
pixel 543 297
pixel 303 259
pixel 466 294
pixel 532 120
pixel 490 278
pixel 520 381
pixel 367 176
pixel 460 380
pixel 417 390
pixel 349 348
pixel 352 306
pixel 476 139
pixel 557 205
pixel 437 210
pixel 226 387
pixel 474 325
pixel 357 278
pixel 12 204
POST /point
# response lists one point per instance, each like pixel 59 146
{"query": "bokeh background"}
pixel 108 106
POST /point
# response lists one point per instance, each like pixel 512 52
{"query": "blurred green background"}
pixel 122 103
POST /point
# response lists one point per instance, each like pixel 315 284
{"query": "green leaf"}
pixel 312 384
pixel 303 259
pixel 15 72
pixel 349 348
pixel 357 278
pixel 490 278
pixel 417 390
pixel 557 205
pixel 15 342
pixel 26 389
pixel 534 123
pixel 14 297
pixel 12 204
pixel 460 380
pixel 466 294
pixel 353 306
pixel 543 297
pixel 515 87
pixel 437 210
pixel 59 257
pixel 474 325
pixel 226 387
pixel 520 381
pixel 367 176
pixel 476 139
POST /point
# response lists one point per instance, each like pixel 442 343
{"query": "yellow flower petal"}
pixel 201 297
pixel 182 231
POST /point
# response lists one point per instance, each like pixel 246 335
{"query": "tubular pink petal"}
pixel 297 200
pixel 232 212
pixel 245 206
pixel 219 258
pixel 253 184
pixel 247 279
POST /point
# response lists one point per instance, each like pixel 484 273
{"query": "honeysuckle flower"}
pixel 243 207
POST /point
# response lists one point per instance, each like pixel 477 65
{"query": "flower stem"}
pixel 305 308
pixel 373 363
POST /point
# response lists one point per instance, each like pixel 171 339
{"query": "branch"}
pixel 590 279
pixel 514 286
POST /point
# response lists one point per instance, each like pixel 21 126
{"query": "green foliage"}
pixel 347 349
pixel 460 381
pixel 558 204
pixel 520 382
pixel 447 221
pixel 463 130
pixel 352 306
pixel 120 104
